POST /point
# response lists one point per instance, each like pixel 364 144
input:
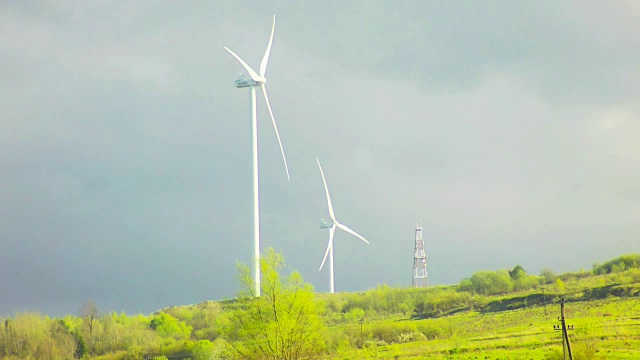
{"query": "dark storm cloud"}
pixel 510 130
pixel 584 48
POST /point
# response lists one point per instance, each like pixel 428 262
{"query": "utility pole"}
pixel 544 301
pixel 361 338
pixel 566 345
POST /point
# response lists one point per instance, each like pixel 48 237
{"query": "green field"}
pixel 608 328
pixel 491 315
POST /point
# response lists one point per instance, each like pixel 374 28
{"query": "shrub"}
pixel 168 326
pixel 487 283
pixel 441 301
pixel 573 276
pixel 547 276
pixel 436 329
pixel 391 333
pixel 619 264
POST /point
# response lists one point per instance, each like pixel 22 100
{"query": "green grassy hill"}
pixel 491 315
pixel 604 310
pixel 603 328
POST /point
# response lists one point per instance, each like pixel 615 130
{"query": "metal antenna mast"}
pixel 419 261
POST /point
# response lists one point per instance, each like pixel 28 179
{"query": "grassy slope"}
pixel 602 319
pixel 526 333
pixel 610 325
pixel 604 309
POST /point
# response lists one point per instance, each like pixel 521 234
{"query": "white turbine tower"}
pixel 258 80
pixel 332 228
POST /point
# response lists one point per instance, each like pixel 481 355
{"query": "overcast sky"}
pixel 510 129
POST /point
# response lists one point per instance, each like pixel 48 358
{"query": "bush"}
pixel 441 301
pixel 488 283
pixel 547 276
pixel 554 354
pixel 391 333
pixel 436 329
pixel 526 282
pixel 168 326
pixel 201 350
pixel 622 263
pixel 573 276
pixel 586 350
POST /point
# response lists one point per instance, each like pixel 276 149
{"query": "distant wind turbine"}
pixel 332 228
pixel 258 81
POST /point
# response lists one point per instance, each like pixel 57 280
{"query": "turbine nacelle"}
pixel 244 82
pixel 324 224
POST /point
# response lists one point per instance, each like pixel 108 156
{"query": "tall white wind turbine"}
pixel 258 80
pixel 332 228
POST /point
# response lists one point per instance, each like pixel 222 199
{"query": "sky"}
pixel 510 129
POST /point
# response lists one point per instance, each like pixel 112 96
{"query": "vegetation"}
pixel 491 315
pixel 282 323
pixel 624 262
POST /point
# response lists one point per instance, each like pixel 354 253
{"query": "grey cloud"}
pixel 125 148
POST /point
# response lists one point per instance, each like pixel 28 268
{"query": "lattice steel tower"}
pixel 419 261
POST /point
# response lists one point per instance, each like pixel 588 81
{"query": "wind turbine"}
pixel 258 80
pixel 332 228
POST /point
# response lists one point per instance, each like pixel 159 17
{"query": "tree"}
pixel 522 280
pixel 619 264
pixel 355 314
pixel 518 273
pixel 81 347
pixel 491 282
pixel 548 276
pixel 202 350
pixel 283 323
pixel 404 308
pixel 465 285
pixel 89 315
pixel 168 326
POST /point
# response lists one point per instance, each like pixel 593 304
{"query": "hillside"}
pixel 491 315
pixel 604 328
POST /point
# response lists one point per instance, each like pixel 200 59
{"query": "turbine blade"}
pixel 266 98
pixel 252 73
pixel 329 245
pixel 346 228
pixel 265 59
pixel 333 217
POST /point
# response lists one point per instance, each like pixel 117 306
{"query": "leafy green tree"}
pixel 168 326
pixel 517 273
pixel 491 282
pixel 202 350
pixel 522 280
pixel 618 264
pixel 465 285
pixel 283 323
pixel 404 308
pixel 81 346
pixel 548 276
pixel 135 352
pixel 355 314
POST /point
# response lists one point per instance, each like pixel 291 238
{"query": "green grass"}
pixel 604 310
pixel 610 325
